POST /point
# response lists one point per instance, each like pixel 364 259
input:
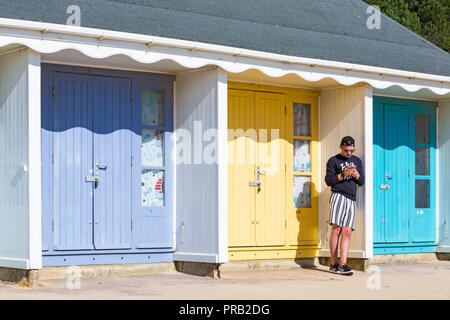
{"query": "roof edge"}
pixel 98 43
pixel 148 40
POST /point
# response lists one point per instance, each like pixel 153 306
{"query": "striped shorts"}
pixel 342 211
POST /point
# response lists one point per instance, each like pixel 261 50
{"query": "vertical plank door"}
pixel 112 162
pixel 72 162
pixel 241 168
pixel 270 201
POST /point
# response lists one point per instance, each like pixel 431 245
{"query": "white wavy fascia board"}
pixel 100 44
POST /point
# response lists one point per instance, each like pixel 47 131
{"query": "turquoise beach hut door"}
pixel 404 176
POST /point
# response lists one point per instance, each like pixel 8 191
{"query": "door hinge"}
pixel 285 224
pixel 131 97
pixel 131 160
pixel 285 110
pixel 53 225
pixel 53 91
pixel 131 224
pixel 53 158
pixel 409 121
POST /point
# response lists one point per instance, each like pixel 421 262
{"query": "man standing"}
pixel 344 172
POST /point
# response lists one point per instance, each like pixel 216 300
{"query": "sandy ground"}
pixel 383 281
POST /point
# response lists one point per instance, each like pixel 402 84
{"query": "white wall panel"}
pixel 201 186
pixel 444 176
pixel 347 111
pixel 20 242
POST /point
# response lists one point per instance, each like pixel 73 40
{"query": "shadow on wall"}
pixel 13 125
pixel 10 79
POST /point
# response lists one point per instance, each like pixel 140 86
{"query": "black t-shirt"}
pixel 346 186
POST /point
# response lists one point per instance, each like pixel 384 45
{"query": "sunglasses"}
pixel 349 151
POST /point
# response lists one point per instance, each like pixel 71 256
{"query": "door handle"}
pixel 255 184
pixel 94 179
pixel 259 172
pixel 388 177
pixel 101 166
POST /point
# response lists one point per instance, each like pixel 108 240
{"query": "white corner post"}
pixel 222 119
pixel 368 163
pixel 34 160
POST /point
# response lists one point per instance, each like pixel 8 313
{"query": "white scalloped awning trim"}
pixel 100 44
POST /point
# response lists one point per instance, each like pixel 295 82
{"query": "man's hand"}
pixel 355 173
pixel 348 171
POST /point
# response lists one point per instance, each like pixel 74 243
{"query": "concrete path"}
pixel 383 281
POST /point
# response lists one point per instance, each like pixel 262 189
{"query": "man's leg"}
pixel 345 244
pixel 334 241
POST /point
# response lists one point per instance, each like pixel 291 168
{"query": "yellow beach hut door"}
pixel 256 168
pixel 272 173
pixel 270 169
pixel 241 170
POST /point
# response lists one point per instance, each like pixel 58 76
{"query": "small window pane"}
pixel 302 119
pixel 302 155
pixel 152 188
pixel 152 107
pixel 422 128
pixel 152 148
pixel 422 161
pixel 422 193
pixel 302 192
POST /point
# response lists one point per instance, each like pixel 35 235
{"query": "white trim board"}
pixel 34 160
pixel 368 169
pixel 196 257
pixel 99 44
pixel 14 263
pixel 443 249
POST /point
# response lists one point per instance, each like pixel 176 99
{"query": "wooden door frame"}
pixel 305 249
pixel 412 246
pixel 162 248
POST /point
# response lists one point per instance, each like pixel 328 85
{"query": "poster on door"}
pixel 152 107
pixel 152 188
pixel 152 148
pixel 302 156
pixel 302 192
pixel 302 119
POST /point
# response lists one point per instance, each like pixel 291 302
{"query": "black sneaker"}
pixel 345 269
pixel 334 267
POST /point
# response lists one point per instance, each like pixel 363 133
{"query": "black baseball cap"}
pixel 348 141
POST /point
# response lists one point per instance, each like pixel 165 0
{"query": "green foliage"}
pixel 428 18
